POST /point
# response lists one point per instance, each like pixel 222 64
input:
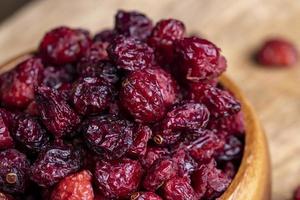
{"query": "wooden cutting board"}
pixel 238 27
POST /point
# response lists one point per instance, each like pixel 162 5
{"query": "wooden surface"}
pixel 237 26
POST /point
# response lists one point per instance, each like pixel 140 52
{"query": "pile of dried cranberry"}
pixel 135 112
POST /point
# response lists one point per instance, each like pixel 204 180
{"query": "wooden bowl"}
pixel 252 181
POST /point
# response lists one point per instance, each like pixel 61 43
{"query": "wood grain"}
pixel 238 27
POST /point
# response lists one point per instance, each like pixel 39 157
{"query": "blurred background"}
pixel 237 27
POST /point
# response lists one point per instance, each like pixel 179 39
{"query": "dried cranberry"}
pixel 133 24
pixel 108 136
pixel 209 182
pixel 74 187
pixel 32 109
pixel 197 59
pixel 145 196
pixel 105 36
pixel 97 51
pixel 58 117
pixel 54 77
pixel 6 141
pixel 17 85
pixel 91 95
pixel 118 179
pixel 141 96
pixel 141 136
pixel 232 150
pixel 297 194
pixel 13 171
pixel 178 188
pixel 277 52
pixel 219 102
pixel 186 164
pixel 64 45
pixel 130 54
pixel 162 39
pixel 161 171
pixel 55 163
pixel 152 154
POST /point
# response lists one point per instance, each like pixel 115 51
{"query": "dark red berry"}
pixel 105 36
pixel 91 95
pixel 162 39
pixel 197 59
pixel 141 136
pixel 297 194
pixel 108 136
pixel 13 171
pixel 58 117
pixel 186 164
pixel 17 85
pixel 277 52
pixel 232 150
pixel 141 96
pixel 153 154
pixel 219 102
pixel 118 179
pixel 64 45
pixel 32 109
pixel 74 187
pixel 55 163
pixel 161 171
pixel 55 77
pixel 178 188
pixel 96 52
pixel 145 196
pixel 133 24
pixel 6 141
pixel 130 54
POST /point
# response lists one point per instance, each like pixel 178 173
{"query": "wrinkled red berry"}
pixel 186 164
pixel 141 96
pixel 17 85
pixel 161 171
pixel 96 52
pixel 54 77
pixel 197 59
pixel 130 54
pixel 277 52
pixel 14 168
pixel 118 179
pixel 162 39
pixel 58 117
pixel 219 102
pixel 29 133
pixel 152 154
pixel 55 163
pixel 6 141
pixel 74 187
pixel 178 188
pixel 108 136
pixel 133 24
pixel 64 45
pixel 105 36
pixel 232 150
pixel 145 196
pixel 91 95
pixel 141 136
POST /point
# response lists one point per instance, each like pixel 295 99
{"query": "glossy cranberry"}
pixel 178 188
pixel 6 141
pixel 118 179
pixel 153 154
pixel 161 171
pixel 297 194
pixel 209 182
pixel 74 187
pixel 64 45
pixel 55 163
pixel 219 102
pixel 232 150
pixel 141 96
pixel 197 59
pixel 17 85
pixel 141 136
pixel 277 52
pixel 133 24
pixel 58 117
pixel 145 196
pixel 162 39
pixel 130 54
pixel 54 77
pixel 105 36
pixel 13 171
pixel 29 133
pixel 108 136
pixel 91 95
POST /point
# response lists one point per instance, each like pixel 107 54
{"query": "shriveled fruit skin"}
pixel 118 179
pixel 17 86
pixel 131 54
pixel 96 52
pixel 64 45
pixel 178 188
pixel 141 97
pixel 55 163
pixel 6 140
pixel 152 154
pixel 133 24
pixel 142 134
pixel 77 186
pixel 107 35
pixel 145 196
pixel 55 77
pixel 13 171
pixel 58 117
